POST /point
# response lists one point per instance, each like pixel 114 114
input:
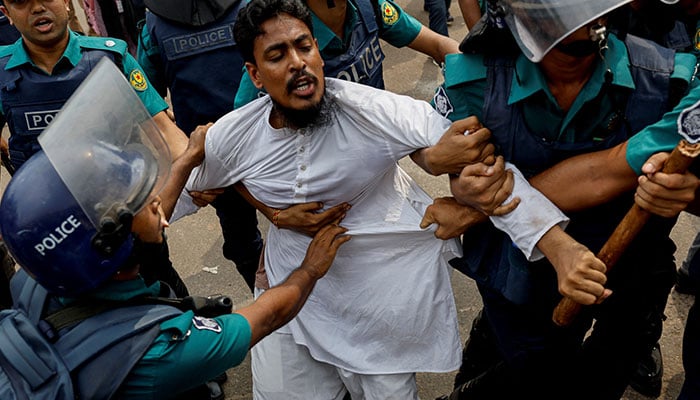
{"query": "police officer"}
pixel 187 46
pixel 88 246
pixel 538 120
pixel 348 33
pixel 42 70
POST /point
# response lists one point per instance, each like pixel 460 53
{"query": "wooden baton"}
pixel 679 161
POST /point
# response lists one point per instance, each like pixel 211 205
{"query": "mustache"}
pixel 291 83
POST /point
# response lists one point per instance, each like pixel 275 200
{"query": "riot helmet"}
pixel 539 25
pixel 66 213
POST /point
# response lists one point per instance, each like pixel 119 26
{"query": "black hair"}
pixel 256 12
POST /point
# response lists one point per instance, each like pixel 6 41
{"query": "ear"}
pixel 254 74
pixel 4 11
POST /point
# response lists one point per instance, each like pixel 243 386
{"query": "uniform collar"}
pixel 328 38
pixel 528 78
pixel 21 57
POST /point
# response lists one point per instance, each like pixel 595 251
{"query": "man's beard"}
pixel 316 116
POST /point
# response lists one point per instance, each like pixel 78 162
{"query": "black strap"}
pixel 211 306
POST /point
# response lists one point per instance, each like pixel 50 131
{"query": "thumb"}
pixel 427 220
pixel 655 163
pixel 604 296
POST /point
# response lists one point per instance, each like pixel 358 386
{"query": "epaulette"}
pixel 461 68
pixel 103 43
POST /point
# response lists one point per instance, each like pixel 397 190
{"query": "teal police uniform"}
pixel 397 27
pixel 22 81
pixel 517 295
pixel 188 351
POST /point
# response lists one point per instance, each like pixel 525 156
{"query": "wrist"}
pixel 274 218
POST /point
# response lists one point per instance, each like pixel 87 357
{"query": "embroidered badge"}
pixel 208 324
pixel 389 13
pixel 442 102
pixel 697 40
pixel 137 80
pixel 689 123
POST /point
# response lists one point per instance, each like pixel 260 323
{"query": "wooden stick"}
pixel 633 222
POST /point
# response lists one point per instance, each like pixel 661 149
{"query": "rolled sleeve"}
pixel 531 219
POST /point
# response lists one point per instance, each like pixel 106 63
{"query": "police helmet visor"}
pixel 106 147
pixel 538 25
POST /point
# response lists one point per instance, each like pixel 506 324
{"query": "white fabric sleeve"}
pixel 183 207
pixel 531 219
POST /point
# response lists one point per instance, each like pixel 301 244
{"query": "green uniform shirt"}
pixel 661 136
pixel 72 55
pixel 398 34
pixel 189 350
pixel 588 116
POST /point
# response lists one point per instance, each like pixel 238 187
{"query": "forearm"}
pixel 278 305
pixel 531 220
pixel 470 11
pixel 179 173
pixel 434 44
pixel 268 212
pixel 587 180
pixel 420 157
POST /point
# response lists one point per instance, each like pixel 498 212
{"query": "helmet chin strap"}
pixel 599 35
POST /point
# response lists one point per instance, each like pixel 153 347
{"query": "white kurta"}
pixel 386 305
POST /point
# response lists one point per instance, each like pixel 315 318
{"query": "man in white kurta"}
pixel 386 306
pixel 385 309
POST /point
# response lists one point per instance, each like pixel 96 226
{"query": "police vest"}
pixel 202 65
pixel 489 255
pixel 95 337
pixel 31 99
pixel 362 61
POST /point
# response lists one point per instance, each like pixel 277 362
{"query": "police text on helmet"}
pixel 62 231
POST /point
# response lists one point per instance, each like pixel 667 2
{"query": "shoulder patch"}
pixel 442 102
pixel 689 123
pixel 138 80
pixel 208 324
pixel 389 13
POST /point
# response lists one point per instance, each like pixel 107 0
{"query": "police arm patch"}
pixel 208 324
pixel 138 80
pixel 442 102
pixel 389 13
pixel 689 123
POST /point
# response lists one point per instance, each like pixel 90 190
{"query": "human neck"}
pixel 333 18
pixel 46 57
pixel 566 75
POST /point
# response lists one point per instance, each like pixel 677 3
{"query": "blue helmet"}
pixel 66 213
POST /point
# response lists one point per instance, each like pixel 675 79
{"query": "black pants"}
pixel 545 361
pixel 242 239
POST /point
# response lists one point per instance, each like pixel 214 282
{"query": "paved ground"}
pixel 196 240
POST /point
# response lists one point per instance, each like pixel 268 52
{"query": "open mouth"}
pixel 302 86
pixel 43 24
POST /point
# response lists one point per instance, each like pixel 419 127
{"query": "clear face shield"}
pixel 107 150
pixel 539 25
